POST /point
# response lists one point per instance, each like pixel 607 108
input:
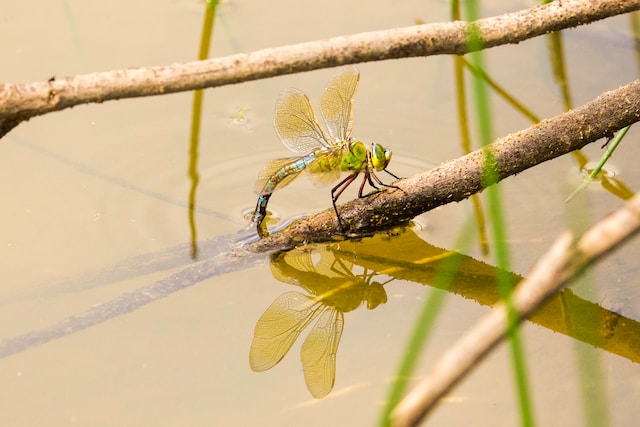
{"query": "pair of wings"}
pixel 292 312
pixel 280 326
pixel 297 125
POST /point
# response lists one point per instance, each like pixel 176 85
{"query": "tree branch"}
pixel 457 179
pixel 20 102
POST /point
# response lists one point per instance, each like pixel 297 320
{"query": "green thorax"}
pixel 348 156
pixel 355 158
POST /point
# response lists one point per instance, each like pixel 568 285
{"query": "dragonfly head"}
pixel 380 157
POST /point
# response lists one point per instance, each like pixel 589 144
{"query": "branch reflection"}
pixel 327 274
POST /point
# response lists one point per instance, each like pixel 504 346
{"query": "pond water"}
pixel 96 197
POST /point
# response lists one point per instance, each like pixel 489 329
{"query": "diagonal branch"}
pixel 20 102
pixel 457 179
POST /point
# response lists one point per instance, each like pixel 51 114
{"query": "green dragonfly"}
pixel 323 153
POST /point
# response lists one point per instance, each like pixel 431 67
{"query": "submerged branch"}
pixel 20 102
pixel 457 179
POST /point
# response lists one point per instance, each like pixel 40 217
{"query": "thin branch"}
pixel 457 179
pixel 20 102
pixel 564 261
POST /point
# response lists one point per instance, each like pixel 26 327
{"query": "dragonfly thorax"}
pixel 356 158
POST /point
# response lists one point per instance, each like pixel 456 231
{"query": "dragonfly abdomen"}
pixel 260 213
pixel 287 172
pixel 280 178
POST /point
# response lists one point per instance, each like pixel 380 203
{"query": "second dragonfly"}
pixel 323 153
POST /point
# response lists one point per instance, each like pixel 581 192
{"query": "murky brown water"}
pixel 90 187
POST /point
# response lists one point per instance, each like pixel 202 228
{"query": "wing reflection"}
pixel 334 290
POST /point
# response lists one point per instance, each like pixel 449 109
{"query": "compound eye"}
pixel 380 156
pixel 387 155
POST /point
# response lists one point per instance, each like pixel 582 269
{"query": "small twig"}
pixel 20 102
pixel 457 179
pixel 564 261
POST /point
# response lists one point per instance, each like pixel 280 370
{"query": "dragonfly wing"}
pixel 319 350
pixel 326 167
pixel 324 178
pixel 336 103
pixel 296 259
pixel 278 173
pixel 333 265
pixel 279 327
pixel 296 123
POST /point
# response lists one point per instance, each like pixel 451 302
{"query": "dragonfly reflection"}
pixel 335 289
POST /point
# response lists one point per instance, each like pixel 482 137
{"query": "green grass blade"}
pixel 496 219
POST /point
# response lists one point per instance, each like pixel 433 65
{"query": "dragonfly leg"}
pixel 367 178
pixel 393 175
pixel 338 190
pixel 382 183
pixel 376 179
pixel 371 176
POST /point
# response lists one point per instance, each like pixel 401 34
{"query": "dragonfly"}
pixel 323 152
